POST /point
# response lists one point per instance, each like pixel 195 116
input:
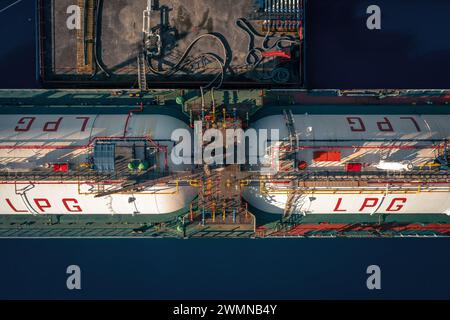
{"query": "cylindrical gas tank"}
pixel 45 142
pixel 45 138
pixel 73 197
pixel 331 141
pixel 350 201
pixel 354 143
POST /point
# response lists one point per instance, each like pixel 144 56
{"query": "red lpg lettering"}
pixel 42 204
pixel 353 121
pixel 413 121
pixel 338 204
pixel 387 123
pixel 366 204
pixel 74 207
pixel 12 206
pixel 398 207
pixel 85 122
pixel 52 126
pixel 27 121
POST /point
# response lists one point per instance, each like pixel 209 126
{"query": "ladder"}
pixel 290 124
pixel 142 72
pixel 295 200
pixel 289 150
pixel 444 156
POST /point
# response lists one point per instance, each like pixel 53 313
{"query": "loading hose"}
pixel 179 65
pixel 98 62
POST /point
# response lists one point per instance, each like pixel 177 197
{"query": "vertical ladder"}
pixel 142 72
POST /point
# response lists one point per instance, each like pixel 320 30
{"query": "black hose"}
pixel 179 65
pixel 98 63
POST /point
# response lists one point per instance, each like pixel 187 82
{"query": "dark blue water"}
pixel 412 49
pixel 213 268
pixel 226 269
pixel 18 44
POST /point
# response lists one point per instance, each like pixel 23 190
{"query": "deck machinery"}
pixel 103 165
pixel 167 43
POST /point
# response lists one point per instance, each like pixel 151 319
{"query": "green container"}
pixel 131 165
pixel 143 165
pixel 179 100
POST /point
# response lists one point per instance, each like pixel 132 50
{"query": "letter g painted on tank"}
pixel 374 280
pixel 74 20
pixel 74 280
pixel 26 122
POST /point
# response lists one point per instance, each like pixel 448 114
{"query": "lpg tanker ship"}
pixel 85 164
pixel 127 138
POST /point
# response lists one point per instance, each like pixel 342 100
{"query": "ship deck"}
pixel 407 53
pixel 120 226
pixel 251 222
pixel 119 41
pixel 108 101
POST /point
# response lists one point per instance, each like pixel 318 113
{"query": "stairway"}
pixel 296 199
pixel 288 149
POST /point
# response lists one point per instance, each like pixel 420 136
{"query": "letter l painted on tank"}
pixel 12 206
pixel 338 204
